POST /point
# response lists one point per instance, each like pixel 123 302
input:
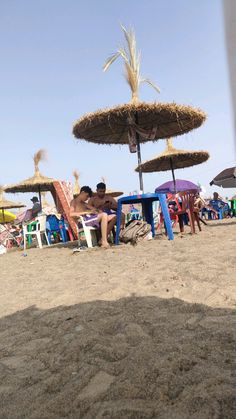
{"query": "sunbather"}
pixel 104 202
pixel 92 216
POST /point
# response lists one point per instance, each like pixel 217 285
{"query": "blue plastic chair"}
pixel 56 226
pixel 216 205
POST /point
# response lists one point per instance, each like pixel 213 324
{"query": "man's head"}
pixel 34 199
pixel 215 196
pixel 101 189
pixel 85 193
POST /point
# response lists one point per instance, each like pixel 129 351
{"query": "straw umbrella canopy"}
pixel 5 205
pixel 136 122
pixel 37 183
pixel 172 159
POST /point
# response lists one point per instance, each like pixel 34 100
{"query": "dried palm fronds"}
pixel 131 58
pixel 111 192
pixel 40 155
pixel 76 185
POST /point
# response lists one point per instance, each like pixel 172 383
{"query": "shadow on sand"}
pixel 132 358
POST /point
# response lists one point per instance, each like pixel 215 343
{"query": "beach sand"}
pixel 131 332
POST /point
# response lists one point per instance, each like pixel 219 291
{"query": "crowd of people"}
pixel 99 210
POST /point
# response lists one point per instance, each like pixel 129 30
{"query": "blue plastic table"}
pixel 146 200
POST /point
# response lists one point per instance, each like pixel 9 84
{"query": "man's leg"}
pixel 103 219
pixel 122 226
pixel 111 223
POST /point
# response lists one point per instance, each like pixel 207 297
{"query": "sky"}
pixel 52 54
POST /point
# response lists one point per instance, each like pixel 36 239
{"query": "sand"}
pixel 144 332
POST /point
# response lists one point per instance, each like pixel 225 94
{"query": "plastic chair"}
pixel 89 232
pixel 187 200
pixel 37 228
pixel 53 225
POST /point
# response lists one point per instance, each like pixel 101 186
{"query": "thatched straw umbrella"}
pixel 172 159
pixel 37 183
pixel 76 189
pixel 111 192
pixel 136 122
pixel 4 204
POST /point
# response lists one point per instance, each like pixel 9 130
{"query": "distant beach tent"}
pixel 172 159
pixel 226 178
pixel 37 183
pixel 136 122
pixel 5 205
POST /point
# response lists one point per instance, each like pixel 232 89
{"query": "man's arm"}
pixel 113 203
pixel 74 213
pixel 92 207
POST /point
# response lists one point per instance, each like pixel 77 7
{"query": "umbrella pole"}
pixel 173 174
pixel 139 157
pixel 139 164
pixel 40 199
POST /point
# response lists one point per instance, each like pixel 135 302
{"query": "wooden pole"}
pixel 173 174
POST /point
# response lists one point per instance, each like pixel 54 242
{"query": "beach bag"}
pixel 135 231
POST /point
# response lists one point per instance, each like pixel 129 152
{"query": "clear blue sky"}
pixel 51 73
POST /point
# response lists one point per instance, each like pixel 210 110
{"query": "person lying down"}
pixel 92 216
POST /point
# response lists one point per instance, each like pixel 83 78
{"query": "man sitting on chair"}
pixel 105 202
pixel 36 208
pixel 92 216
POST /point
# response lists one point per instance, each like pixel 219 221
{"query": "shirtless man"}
pixel 105 203
pixel 92 216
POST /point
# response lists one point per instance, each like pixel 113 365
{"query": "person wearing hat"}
pixel 36 208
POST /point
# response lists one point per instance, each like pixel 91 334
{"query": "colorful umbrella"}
pixel 179 186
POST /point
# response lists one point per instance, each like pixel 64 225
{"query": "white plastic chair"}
pixel 40 228
pixel 89 232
